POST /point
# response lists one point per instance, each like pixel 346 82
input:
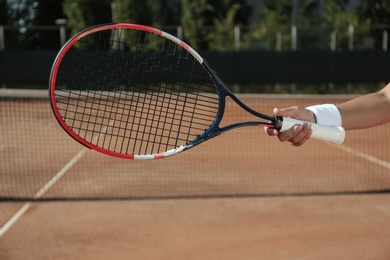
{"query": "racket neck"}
pixel 223 92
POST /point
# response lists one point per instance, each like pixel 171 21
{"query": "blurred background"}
pixel 259 46
pixel 242 195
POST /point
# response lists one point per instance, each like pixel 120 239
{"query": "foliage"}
pixel 275 19
pixel 339 19
pixel 134 11
pixel 377 12
pixel 335 18
pixel 223 37
pixel 194 18
pixel 80 15
pixel 209 23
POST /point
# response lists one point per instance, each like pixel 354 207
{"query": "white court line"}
pixel 14 218
pixel 364 156
pixel 40 193
pixel 47 186
pixel 59 174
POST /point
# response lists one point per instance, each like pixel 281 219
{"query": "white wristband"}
pixel 326 114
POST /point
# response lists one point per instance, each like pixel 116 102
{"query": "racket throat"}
pixel 207 135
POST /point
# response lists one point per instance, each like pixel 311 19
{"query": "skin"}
pixel 362 112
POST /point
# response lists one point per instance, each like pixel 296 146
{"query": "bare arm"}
pixel 366 111
pixel 363 112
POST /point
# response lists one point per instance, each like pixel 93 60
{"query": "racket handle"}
pixel 332 134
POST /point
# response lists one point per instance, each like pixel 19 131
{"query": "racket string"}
pixel 139 100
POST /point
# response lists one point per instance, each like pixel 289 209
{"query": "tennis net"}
pixel 39 161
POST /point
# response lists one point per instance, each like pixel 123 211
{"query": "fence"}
pixel 245 68
pixel 238 38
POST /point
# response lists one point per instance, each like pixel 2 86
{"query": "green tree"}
pixel 376 12
pixel 276 20
pixel 134 11
pixel 200 18
pixel 338 18
pixel 314 28
pixel 223 37
pixel 84 13
pixel 194 19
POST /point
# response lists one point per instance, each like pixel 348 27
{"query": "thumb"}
pixel 287 112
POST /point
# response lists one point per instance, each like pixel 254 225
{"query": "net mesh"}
pixel 39 161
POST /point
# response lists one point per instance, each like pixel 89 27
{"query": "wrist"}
pixel 326 114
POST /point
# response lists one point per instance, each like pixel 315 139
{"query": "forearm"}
pixel 366 111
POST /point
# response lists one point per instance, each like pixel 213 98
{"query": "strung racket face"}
pixel 132 91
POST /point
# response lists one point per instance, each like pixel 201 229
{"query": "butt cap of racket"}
pixel 331 134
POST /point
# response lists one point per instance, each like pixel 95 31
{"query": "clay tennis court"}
pixel 241 195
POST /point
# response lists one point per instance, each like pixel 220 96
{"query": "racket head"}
pixel 132 91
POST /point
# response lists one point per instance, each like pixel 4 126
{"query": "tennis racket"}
pixel 136 92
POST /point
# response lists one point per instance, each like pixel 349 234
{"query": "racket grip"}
pixel 331 134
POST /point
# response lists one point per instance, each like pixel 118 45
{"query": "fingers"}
pixel 271 131
pixel 297 135
pixel 295 112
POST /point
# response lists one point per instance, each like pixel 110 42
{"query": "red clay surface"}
pixel 327 227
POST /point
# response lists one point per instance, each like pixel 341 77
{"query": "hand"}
pixel 298 134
